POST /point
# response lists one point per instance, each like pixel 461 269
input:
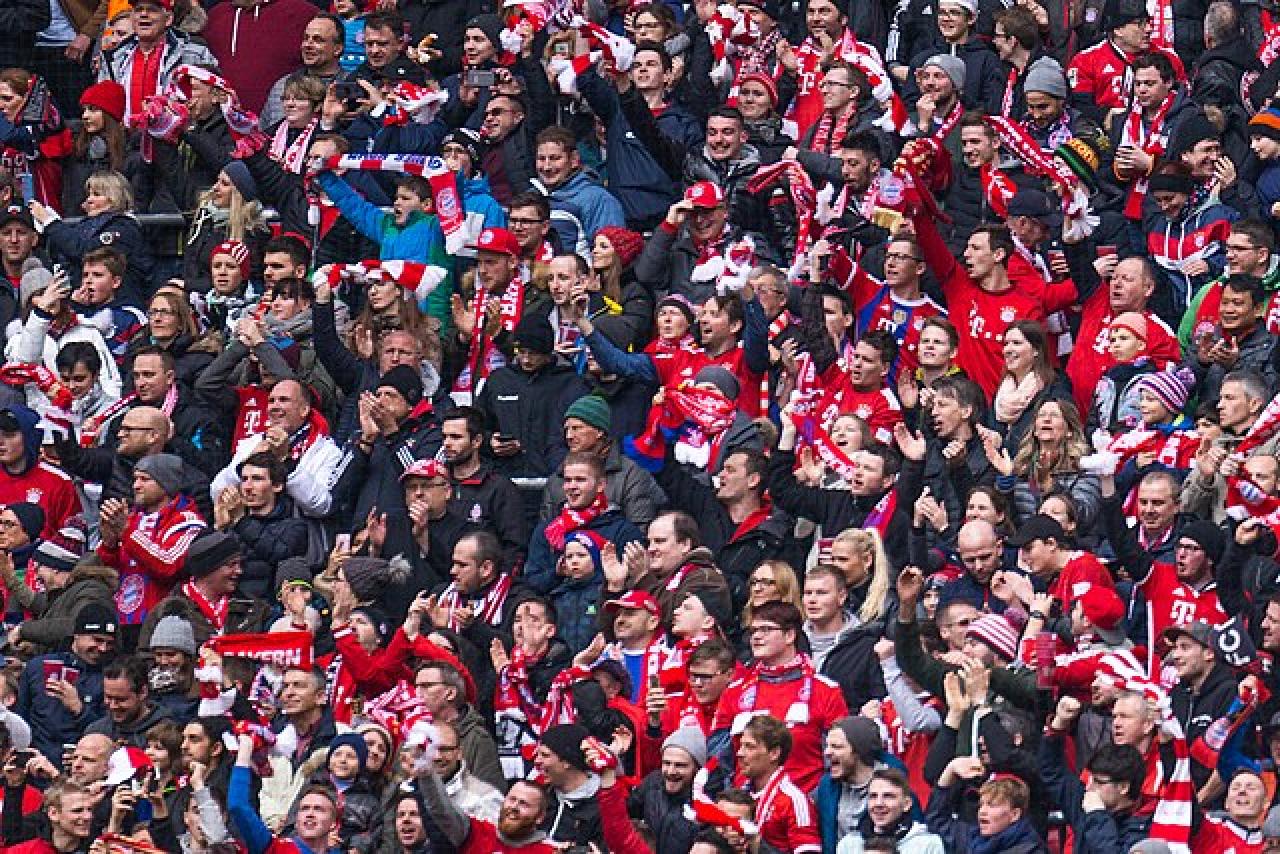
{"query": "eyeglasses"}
pixel 129 428
pixel 426 684
pixel 497 111
pixel 1238 248
pixel 161 312
pixel 1189 547
pixel 829 82
pixel 763 582
pixel 447 747
pixel 524 223
pixel 963 622
pixel 763 630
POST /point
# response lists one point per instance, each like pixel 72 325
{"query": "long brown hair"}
pixel 112 134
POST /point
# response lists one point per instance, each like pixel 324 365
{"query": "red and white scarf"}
pixel 1161 24
pixel 242 123
pixel 804 198
pixel 571 520
pixel 997 189
pixel 729 31
pixel 444 187
pixel 482 356
pixel 292 156
pixel 807 408
pixel 416 278
pixel 93 426
pixel 800 667
pixel 56 411
pixel 832 130
pixel 283 649
pixel 1078 221
pixel 514 692
pixel 214 612
pixel 1152 139
pixel 491 604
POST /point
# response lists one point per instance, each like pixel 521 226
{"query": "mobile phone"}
pixel 479 78
pixel 70 674
pixel 561 49
pixel 348 91
pixel 53 670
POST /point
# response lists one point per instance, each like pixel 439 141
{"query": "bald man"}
pixel 292 432
pixel 981 551
pixel 141 431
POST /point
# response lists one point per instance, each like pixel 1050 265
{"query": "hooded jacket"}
pixel 38 482
pixel 477 198
pixel 531 408
pixel 580 207
pixel 132 734
pixel 179 49
pixel 574 817
pixel 55 611
pixel 52 725
pixel 1197 710
pixel 853 664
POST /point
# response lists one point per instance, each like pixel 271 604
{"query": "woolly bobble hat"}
pixel 406 381
pixel 1000 632
pixel 627 243
pixel 368 576
pixel 952 66
pixel 764 80
pixel 107 96
pixel 64 548
pixel 1172 388
pixel 1266 124
pixel 592 410
pixel 1082 159
pixel 491 26
pixel 691 740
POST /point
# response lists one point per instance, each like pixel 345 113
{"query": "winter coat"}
pixel 663 813
pixel 854 666
pixel 768 212
pixel 1197 710
pixel 1258 354
pixel 190 356
pixel 1171 243
pixel 577 604
pixel 55 611
pixel 477 198
pixel 182 171
pixel 531 408
pixel 67 244
pixel 478 748
pixel 130 734
pixel 540 568
pixel 264 542
pixel 961 837
pixel 20 21
pixel 179 49
pixel 628 487
pixel 574 818
pixel 51 724
pixel 76 170
pixel 984 81
pixel 30 342
pixel 666 264
pixel 368 479
pixel 1096 831
pixel 580 207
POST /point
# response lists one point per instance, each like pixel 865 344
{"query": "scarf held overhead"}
pixel 444 186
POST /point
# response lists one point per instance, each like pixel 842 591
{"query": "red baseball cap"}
pixel 425 468
pixel 705 194
pixel 1102 606
pixel 634 600
pixel 498 240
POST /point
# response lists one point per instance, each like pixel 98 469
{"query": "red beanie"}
pixel 238 252
pixel 107 96
pixel 764 80
pixel 628 244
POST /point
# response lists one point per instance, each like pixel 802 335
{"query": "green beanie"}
pixel 591 410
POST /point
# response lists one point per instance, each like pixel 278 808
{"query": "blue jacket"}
pixel 579 208
pixel 477 198
pixel 962 837
pixel 52 725
pixel 540 566
pixel 826 798
pixel 577 617
pixel 258 838
pixel 643 188
pixel 68 243
pixel 1268 188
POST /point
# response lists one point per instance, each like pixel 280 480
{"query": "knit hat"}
pixel 491 26
pixel 242 179
pixel 469 140
pixel 355 741
pixel 999 631
pixel 107 96
pixel 1045 75
pixel 164 469
pixel 1172 387
pixel 681 302
pixel 1155 846
pixel 565 741
pixel 721 378
pixel 863 736
pixel 1134 321
pixel 713 603
pixel 406 381
pixel 35 278
pixel 952 66
pixel 369 576
pixel 772 8
pixel 1207 536
pixel 30 517
pixel 1117 13
pixel 238 253
pixel 1194 128
pixel 1102 606
pixel 173 632
pixel 1082 158
pixel 64 548
pixel 592 410
pixel 382 732
pixel 1266 124
pixel 691 740
pixel 293 570
pixel 627 243
pixel 96 619
pixel 1171 181
pixel 764 80
pixel 209 551
pixel 534 334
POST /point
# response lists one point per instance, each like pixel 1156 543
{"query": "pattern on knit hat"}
pixel 1000 632
pixel 1171 388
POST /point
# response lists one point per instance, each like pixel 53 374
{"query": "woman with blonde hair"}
pixel 859 554
pixel 228 210
pixel 108 221
pixel 771 581
pixel 172 326
pixel 1047 461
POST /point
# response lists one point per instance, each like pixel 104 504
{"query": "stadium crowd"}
pixel 640 425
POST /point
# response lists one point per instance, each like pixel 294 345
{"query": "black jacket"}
pixel 1196 711
pixel 531 408
pixel 853 664
pixel 663 813
pixel 267 540
pixel 371 479
pixel 490 500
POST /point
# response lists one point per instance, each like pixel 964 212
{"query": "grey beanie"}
pixel 35 278
pixel 164 469
pixel 863 735
pixel 173 632
pixel 721 378
pixel 952 66
pixel 1151 846
pixel 691 740
pixel 1045 75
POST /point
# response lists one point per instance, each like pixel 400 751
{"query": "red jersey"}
pixel 981 316
pixel 1172 603
pixel 47 486
pixel 879 408
pixel 150 556
pixel 484 839
pixel 806 106
pixel 1105 73
pixel 809 718
pixel 735 361
pixel 786 817
pixel 876 306
pixel 1222 835
pixel 675 363
pixel 1082 568
pixel 1090 358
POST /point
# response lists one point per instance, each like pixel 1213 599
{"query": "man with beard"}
pixel 316 817
pixel 980 83
pixel 517 829
pixel 479 494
